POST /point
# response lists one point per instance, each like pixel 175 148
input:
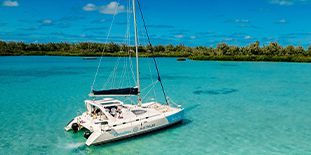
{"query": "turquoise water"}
pixel 231 107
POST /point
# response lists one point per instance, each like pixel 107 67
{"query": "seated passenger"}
pixel 113 112
pixel 120 115
pixel 97 111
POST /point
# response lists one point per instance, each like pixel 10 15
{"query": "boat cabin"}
pixel 113 110
pixel 105 109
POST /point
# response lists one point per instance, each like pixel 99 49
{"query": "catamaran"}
pixel 109 119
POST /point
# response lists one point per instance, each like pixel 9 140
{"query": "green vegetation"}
pixel 224 52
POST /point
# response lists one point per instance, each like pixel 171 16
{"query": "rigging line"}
pixel 154 60
pixel 131 65
pixel 111 75
pixel 129 99
pixel 108 34
pixel 128 45
pixel 150 85
pixel 123 75
pixel 151 77
pixel 174 103
pixel 124 65
pixel 115 72
pixel 150 90
pixel 126 41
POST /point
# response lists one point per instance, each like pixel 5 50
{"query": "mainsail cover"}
pixel 117 92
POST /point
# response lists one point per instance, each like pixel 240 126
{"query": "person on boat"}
pixel 120 115
pixel 119 112
pixel 95 112
pixel 113 111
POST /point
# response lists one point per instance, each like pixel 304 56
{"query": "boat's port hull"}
pixel 134 129
pixel 69 125
pixel 139 133
pixel 103 126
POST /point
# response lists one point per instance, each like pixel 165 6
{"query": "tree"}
pixel 273 49
pixel 170 48
pixel 309 51
pixel 3 48
pixel 159 48
pixel 234 50
pixel 289 50
pixel 299 51
pixel 149 48
pixel 222 49
pixel 254 48
pixel 112 47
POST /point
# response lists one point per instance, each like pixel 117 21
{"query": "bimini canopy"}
pixel 115 92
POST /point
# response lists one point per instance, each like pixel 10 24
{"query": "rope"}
pixel 129 42
pixel 111 75
pixel 151 85
pixel 108 34
pixel 151 77
pixel 125 73
pixel 115 71
pixel 154 60
pixel 174 103
pixel 150 90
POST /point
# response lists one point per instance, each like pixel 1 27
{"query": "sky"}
pixel 188 22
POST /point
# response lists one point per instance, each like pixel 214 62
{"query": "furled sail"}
pixel 115 92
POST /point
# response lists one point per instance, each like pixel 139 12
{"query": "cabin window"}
pixel 104 123
pixel 107 103
pixel 139 112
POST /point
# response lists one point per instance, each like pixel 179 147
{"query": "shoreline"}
pixel 241 58
pixel 260 58
pixel 223 52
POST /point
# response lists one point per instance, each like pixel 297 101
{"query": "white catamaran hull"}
pixel 134 128
pixel 129 129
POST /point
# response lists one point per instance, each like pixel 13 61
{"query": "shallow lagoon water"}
pixel 231 107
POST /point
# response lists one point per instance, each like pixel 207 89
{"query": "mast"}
pixel 136 48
